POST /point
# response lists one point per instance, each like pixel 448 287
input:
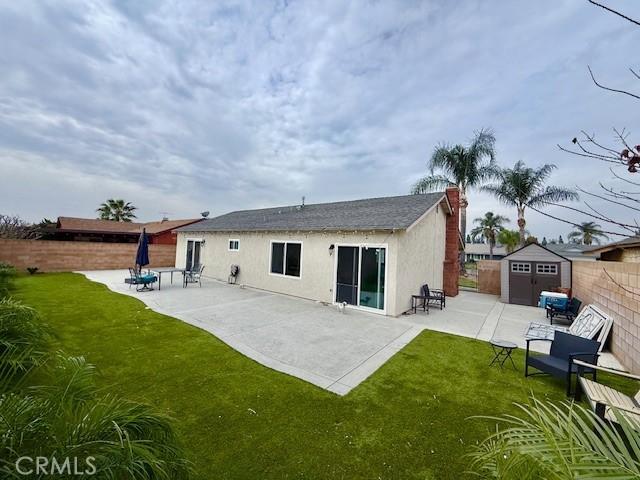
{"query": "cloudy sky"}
pixel 186 106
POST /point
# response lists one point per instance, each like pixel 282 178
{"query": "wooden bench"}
pixel 602 398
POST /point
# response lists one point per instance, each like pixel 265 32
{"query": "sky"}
pixel 190 106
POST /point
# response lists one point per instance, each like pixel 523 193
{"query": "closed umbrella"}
pixel 142 255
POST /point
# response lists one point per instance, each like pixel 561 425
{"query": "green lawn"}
pixel 238 419
pixel 467 282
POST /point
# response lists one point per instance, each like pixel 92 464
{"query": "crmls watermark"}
pixel 53 466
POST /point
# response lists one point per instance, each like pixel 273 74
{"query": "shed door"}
pixel 546 277
pixel 521 282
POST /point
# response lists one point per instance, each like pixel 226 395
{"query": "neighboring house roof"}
pixel 631 242
pixel 572 250
pixel 385 213
pixel 483 249
pixel 537 245
pixel 91 225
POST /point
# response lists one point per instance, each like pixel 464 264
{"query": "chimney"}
pixel 451 268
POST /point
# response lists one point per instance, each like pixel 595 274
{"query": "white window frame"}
pixel 386 273
pixel 284 259
pixel 515 265
pixel 229 245
pixel 554 266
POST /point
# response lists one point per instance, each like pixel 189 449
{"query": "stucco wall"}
pixel 615 288
pixel 60 256
pixel 421 252
pixel 317 265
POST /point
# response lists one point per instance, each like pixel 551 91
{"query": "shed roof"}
pixel 383 213
pixel 535 245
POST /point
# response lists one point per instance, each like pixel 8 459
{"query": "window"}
pixel 285 258
pixel 547 268
pixel 234 245
pixel 517 267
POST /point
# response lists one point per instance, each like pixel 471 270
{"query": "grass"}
pixel 467 282
pixel 238 419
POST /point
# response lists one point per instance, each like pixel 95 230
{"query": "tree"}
pixel 117 210
pixel 560 240
pixel 466 167
pixel 523 187
pixel 558 441
pixel 12 226
pixel 544 241
pixel 509 238
pixel 587 233
pixel 468 240
pixel 488 227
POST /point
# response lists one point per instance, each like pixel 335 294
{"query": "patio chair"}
pixel 569 312
pixel 590 323
pixel 194 276
pixel 560 361
pixel 428 297
pixel 141 280
pixel 604 399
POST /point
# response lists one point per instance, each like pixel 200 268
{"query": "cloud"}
pixel 191 106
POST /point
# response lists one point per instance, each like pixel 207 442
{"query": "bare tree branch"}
pixel 609 88
pixel 615 12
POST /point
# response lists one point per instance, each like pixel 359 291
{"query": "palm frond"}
pixel 560 441
pixel 552 195
pixel 431 183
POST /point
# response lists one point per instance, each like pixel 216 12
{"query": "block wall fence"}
pixel 54 256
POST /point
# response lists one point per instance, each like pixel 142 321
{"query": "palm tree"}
pixel 488 227
pixel 563 441
pixel 510 239
pixel 587 233
pixel 462 166
pixel 523 187
pixel 117 210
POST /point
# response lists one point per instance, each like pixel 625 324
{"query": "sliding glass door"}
pixel 360 276
pixel 193 254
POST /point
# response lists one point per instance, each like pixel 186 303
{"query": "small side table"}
pixel 502 350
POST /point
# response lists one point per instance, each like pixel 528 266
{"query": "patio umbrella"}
pixel 142 255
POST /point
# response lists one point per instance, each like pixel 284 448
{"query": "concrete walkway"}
pixel 335 351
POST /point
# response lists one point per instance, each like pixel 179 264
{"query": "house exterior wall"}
pixel 421 253
pixel 532 253
pixel 628 255
pixel 317 273
pixel 414 257
pixel 164 238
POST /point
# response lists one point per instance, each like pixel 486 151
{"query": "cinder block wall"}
pixel 53 256
pixel 489 276
pixel 614 287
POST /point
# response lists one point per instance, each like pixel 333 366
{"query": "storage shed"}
pixel 530 270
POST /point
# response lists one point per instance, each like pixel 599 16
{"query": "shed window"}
pixel 285 258
pixel 518 267
pixel 547 268
pixel 234 245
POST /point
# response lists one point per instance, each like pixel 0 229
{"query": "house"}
pixel 573 251
pixel 627 250
pixel 372 254
pixel 96 230
pixel 480 251
pixel 528 271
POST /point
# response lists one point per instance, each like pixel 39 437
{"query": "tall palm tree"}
pixel 523 187
pixel 488 227
pixel 587 233
pixel 117 210
pixel 466 167
pixel 510 239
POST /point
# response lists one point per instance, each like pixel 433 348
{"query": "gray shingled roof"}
pixel 386 213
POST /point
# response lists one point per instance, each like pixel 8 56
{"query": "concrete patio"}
pixel 312 341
